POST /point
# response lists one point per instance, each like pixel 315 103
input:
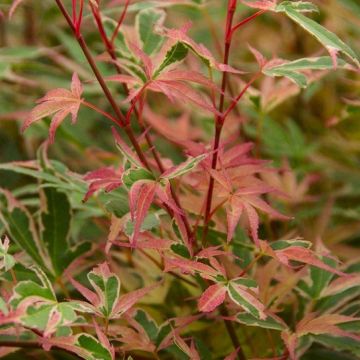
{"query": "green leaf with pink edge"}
pixel 299 251
pixel 180 35
pixel 329 40
pixel 270 322
pixel 183 168
pixel 172 53
pixel 294 69
pixel 243 292
pixel 107 290
pixel 106 301
pixel 326 324
pixel 131 176
pixel 300 6
pixel 84 345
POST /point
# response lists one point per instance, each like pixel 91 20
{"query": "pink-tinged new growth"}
pixel 212 297
pixel 141 196
pixel 77 14
pixel 260 4
pixel 127 301
pixel 199 49
pixel 106 301
pixel 172 83
pixel 319 325
pixel 191 267
pixel 292 251
pixel 106 178
pixel 57 103
pixel 242 191
pixel 168 260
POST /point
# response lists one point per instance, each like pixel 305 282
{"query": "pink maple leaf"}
pixel 212 297
pixel 242 191
pixel 57 103
pixel 106 178
pixel 260 4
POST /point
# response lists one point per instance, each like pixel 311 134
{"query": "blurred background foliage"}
pixel 314 132
pixel 317 131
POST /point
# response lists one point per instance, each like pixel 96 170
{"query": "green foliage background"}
pixel 317 130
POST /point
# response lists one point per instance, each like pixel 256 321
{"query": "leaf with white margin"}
pixel 7 261
pixel 242 291
pixel 270 322
pixel 293 69
pixel 331 41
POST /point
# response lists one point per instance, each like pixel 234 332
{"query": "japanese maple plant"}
pixel 196 257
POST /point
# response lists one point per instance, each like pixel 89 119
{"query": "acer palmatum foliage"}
pixel 152 250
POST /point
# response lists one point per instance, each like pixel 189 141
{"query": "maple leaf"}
pixel 243 292
pixel 147 240
pixel 285 180
pixel 323 324
pixel 190 351
pixel 144 188
pixel 132 338
pixel 106 178
pixel 57 103
pixel 141 196
pixel 105 301
pixel 242 191
pixel 260 4
pixel 172 83
pixel 191 267
pixel 212 297
pixel 83 345
pixel 286 251
pixel 179 131
pixel 180 35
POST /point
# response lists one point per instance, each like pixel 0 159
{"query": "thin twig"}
pixel 245 21
pixel 232 333
pixel 111 51
pixel 119 115
pixel 219 121
pixel 159 265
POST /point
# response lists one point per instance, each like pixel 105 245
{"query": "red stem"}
pixel 242 93
pixel 245 21
pixel 219 121
pixel 80 15
pixel 110 49
pixel 99 23
pixel 104 113
pixel 73 3
pixel 120 117
pixel 121 120
pixel 120 21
